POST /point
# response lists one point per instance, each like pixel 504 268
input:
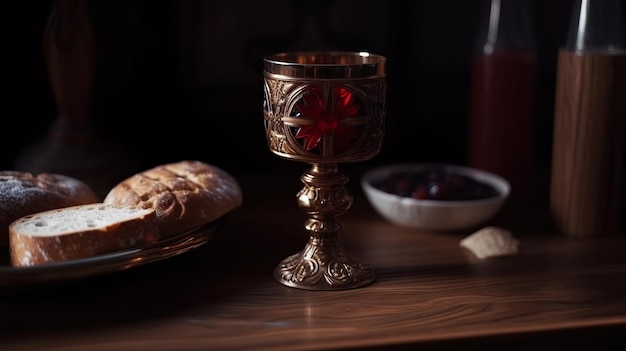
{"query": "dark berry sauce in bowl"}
pixel 435 196
pixel 435 185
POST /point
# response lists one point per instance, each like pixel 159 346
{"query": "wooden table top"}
pixel 428 292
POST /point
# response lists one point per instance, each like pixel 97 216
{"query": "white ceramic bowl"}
pixel 440 215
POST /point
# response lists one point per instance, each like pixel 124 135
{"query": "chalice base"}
pixel 324 263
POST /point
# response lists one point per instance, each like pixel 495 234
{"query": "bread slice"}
pixel 24 193
pixel 185 194
pixel 78 232
pixel 491 242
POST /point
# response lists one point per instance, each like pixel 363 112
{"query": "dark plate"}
pixel 111 262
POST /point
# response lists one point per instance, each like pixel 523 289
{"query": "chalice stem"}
pixel 324 263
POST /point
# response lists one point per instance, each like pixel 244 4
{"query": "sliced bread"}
pixel 24 193
pixel 491 242
pixel 78 232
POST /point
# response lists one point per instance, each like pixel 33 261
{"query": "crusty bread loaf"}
pixel 79 232
pixel 185 194
pixel 22 193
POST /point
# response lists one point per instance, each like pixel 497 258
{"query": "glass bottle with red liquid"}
pixel 503 97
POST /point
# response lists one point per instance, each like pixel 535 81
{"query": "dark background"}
pixel 183 79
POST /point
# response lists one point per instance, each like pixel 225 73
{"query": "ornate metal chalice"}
pixel 324 108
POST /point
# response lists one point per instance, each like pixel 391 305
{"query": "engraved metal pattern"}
pixel 281 121
pixel 324 264
pixel 324 109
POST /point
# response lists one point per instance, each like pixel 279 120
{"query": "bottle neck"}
pixel 506 24
pixel 596 26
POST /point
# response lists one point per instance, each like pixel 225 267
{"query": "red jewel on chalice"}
pixel 325 121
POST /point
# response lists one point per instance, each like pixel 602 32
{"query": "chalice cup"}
pixel 324 108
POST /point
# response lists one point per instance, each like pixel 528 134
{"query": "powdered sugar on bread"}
pixel 22 193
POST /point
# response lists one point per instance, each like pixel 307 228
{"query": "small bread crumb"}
pixel 491 242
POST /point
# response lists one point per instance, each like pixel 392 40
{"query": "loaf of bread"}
pixel 78 232
pixel 22 193
pixel 185 194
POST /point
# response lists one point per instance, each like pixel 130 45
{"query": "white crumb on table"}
pixel 491 242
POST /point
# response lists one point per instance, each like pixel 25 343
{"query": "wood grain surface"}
pixel 429 294
pixel 589 136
